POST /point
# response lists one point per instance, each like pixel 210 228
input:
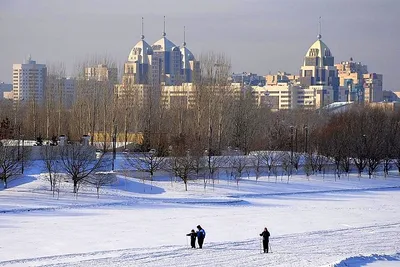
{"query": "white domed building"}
pixel 318 68
pixel 137 68
pixel 190 68
pixel 166 62
pixel 162 63
pixel 156 69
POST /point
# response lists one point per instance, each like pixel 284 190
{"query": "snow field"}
pixel 312 223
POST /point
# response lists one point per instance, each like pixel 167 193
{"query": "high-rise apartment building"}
pixel 357 84
pixel 373 90
pixel 29 81
pixel 351 80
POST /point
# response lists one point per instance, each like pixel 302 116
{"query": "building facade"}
pixel 155 71
pixel 60 90
pixel 29 81
pixel 6 90
pixel 373 87
pixel 358 85
pixel 248 78
pixel 287 95
pixel 389 96
pixel 102 73
pixel 280 77
pixel 160 64
pixel 318 68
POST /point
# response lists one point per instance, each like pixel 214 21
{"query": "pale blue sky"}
pixel 258 35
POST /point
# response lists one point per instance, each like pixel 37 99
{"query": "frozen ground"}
pixel 321 222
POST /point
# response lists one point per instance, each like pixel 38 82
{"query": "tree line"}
pixel 217 122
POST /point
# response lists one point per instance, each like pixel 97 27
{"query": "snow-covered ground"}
pixel 321 222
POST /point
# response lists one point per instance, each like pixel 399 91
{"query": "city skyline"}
pixel 258 36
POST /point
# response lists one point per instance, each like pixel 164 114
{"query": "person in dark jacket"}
pixel 193 236
pixel 265 234
pixel 201 234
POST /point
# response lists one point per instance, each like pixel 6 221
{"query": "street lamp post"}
pixel 291 145
pixel 365 150
pixel 22 156
pixel 114 141
pixel 19 141
pixel 306 139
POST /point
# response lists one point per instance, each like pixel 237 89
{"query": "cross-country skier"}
pixel 193 236
pixel 201 234
pixel 265 234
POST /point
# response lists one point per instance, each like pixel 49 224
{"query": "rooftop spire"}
pixel 184 36
pixel 319 36
pixel 142 36
pixel 164 33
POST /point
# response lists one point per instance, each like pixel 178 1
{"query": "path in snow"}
pixel 301 249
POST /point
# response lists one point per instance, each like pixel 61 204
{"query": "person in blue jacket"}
pixel 201 234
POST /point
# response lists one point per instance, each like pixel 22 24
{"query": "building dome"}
pixel 187 56
pixel 318 54
pixel 140 52
pixel 163 45
pixel 319 49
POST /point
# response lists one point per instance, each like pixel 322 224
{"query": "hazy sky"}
pixel 257 35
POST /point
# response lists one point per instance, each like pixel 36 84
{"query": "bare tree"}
pixel 257 158
pixel 199 164
pixel 213 165
pixel 147 162
pixel 287 166
pixel 10 162
pixel 214 96
pixel 345 165
pixel 320 162
pixel 51 162
pixel 392 131
pixel 271 159
pixel 238 164
pixel 182 167
pixel 307 165
pixel 358 145
pixel 375 147
pixel 79 162
pixel 100 179
pixel 243 121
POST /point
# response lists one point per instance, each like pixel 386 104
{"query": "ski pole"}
pixel 187 243
pixel 270 248
pixel 260 245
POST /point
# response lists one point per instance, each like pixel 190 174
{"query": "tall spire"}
pixel 319 36
pixel 164 33
pixel 184 36
pixel 142 36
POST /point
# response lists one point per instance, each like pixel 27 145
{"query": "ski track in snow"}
pixel 318 248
